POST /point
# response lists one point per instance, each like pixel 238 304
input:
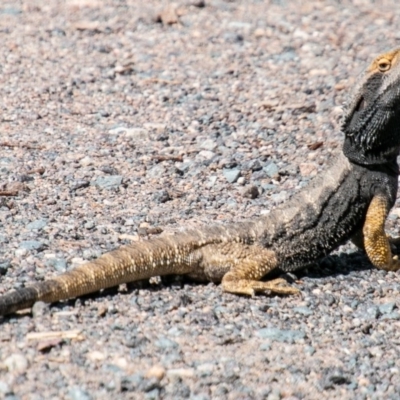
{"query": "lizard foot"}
pixel 394 264
pixel 250 287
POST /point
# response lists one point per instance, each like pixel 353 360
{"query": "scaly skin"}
pixel 351 200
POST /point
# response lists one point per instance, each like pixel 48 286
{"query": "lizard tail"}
pixel 160 256
pixel 21 298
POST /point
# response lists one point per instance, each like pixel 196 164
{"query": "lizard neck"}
pixel 389 166
pixel 380 150
pixel 318 218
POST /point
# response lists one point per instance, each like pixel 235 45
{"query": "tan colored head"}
pixel 371 122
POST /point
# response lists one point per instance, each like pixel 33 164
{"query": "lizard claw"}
pixel 394 265
pixel 250 287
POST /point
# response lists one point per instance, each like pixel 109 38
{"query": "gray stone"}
pixel 4 265
pixel 153 394
pixel 136 133
pixel 240 25
pixel 16 363
pixel 333 378
pixel 10 11
pixel 118 130
pixel 40 309
pixel 79 184
pixel 109 170
pixel 165 343
pixel 59 264
pixel 393 315
pixel 212 180
pixel 204 370
pixel 279 197
pixel 309 350
pixel 205 154
pixel 265 347
pixel 149 384
pixel 287 55
pixel 131 382
pixel 135 341
pixel 254 165
pixel 200 396
pixel 156 172
pixel 231 204
pixel 373 312
pixel 91 253
pixel 387 308
pixel 77 393
pixel 208 144
pixel 6 160
pixel 251 192
pixel 269 187
pixel 280 335
pixel 231 175
pixel 275 395
pixel 108 182
pixel 230 37
pixel 4 388
pixel 21 252
pixel 303 310
pixel 86 161
pixel 37 225
pixel 161 196
pixel 32 245
pixel 11 396
pixel 271 170
pixel 155 126
pixel 90 225
pixel 185 166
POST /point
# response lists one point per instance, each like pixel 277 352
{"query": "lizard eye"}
pixel 384 65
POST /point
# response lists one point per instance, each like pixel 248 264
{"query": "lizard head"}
pixel 371 123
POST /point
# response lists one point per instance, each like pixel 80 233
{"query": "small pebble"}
pixel 251 192
pixel 232 175
pixel 156 371
pixel 77 393
pixel 108 182
pixel 4 266
pixel 281 335
pixel 32 245
pixel 16 363
pixel 165 343
pixel 271 170
pixel 37 225
pixel 39 309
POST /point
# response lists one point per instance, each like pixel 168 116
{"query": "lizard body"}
pixel 350 200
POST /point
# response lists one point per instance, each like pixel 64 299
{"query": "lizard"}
pixel 349 201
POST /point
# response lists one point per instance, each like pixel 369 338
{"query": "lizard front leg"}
pixel 241 267
pixel 358 240
pixel 376 242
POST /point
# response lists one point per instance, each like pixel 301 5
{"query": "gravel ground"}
pixel 120 120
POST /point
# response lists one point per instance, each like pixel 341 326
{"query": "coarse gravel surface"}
pixel 123 118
